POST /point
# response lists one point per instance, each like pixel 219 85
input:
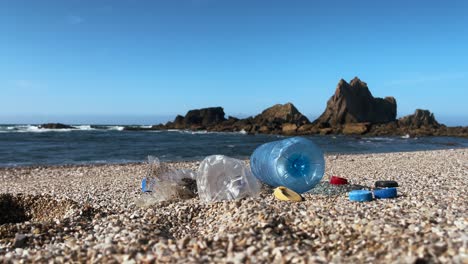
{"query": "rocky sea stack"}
pixel 279 119
pixel 198 119
pixel 279 113
pixel 351 110
pixel 354 103
pixel 420 118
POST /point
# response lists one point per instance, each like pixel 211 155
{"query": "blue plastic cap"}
pixel 386 193
pixel 360 196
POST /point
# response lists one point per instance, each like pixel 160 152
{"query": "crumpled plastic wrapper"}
pixel 223 178
pixel 164 184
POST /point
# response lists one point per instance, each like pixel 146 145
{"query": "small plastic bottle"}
pixel 296 163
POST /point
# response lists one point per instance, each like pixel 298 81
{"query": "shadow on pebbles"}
pixel 34 220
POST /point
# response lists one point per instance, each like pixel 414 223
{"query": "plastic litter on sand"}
pixel 386 184
pixel 386 193
pixel 338 180
pixel 223 178
pixel 284 194
pixel 360 196
pixel 147 184
pixel 296 163
pixel 325 188
pixel 163 183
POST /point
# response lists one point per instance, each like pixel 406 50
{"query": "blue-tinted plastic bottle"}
pixel 296 163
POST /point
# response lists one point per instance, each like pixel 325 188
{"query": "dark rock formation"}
pixel 356 128
pixel 421 123
pixel 139 128
pixel 458 131
pixel 307 129
pixel 352 110
pixel 354 103
pixel 279 113
pixel 387 129
pixel 198 119
pixel 289 129
pixel 278 119
pixel 55 126
pixel 158 127
pixel 420 118
pixel 179 122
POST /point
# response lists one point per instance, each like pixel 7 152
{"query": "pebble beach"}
pixel 89 214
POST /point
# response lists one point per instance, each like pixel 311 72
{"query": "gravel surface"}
pixel 88 214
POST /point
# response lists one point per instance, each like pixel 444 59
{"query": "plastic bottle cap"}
pixel 360 196
pixel 385 193
pixel 386 184
pixel 338 180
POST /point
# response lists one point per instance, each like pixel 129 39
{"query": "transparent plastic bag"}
pixel 163 183
pixel 223 178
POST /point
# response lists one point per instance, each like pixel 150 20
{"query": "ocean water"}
pixel 27 145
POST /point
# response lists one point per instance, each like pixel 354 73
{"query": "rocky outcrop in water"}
pixel 277 119
pixel 352 110
pixel 420 118
pixel 198 119
pixel 421 123
pixel 55 126
pixel 286 113
pixel 354 103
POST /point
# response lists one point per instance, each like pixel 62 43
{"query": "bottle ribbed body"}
pixel 296 163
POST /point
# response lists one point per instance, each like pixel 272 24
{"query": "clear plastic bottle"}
pixel 224 178
pixel 296 163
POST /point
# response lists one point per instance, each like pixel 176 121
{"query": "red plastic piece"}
pixel 338 180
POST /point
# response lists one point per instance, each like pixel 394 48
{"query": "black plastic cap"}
pixel 386 184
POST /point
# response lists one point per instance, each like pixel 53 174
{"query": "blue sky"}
pixel 81 61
